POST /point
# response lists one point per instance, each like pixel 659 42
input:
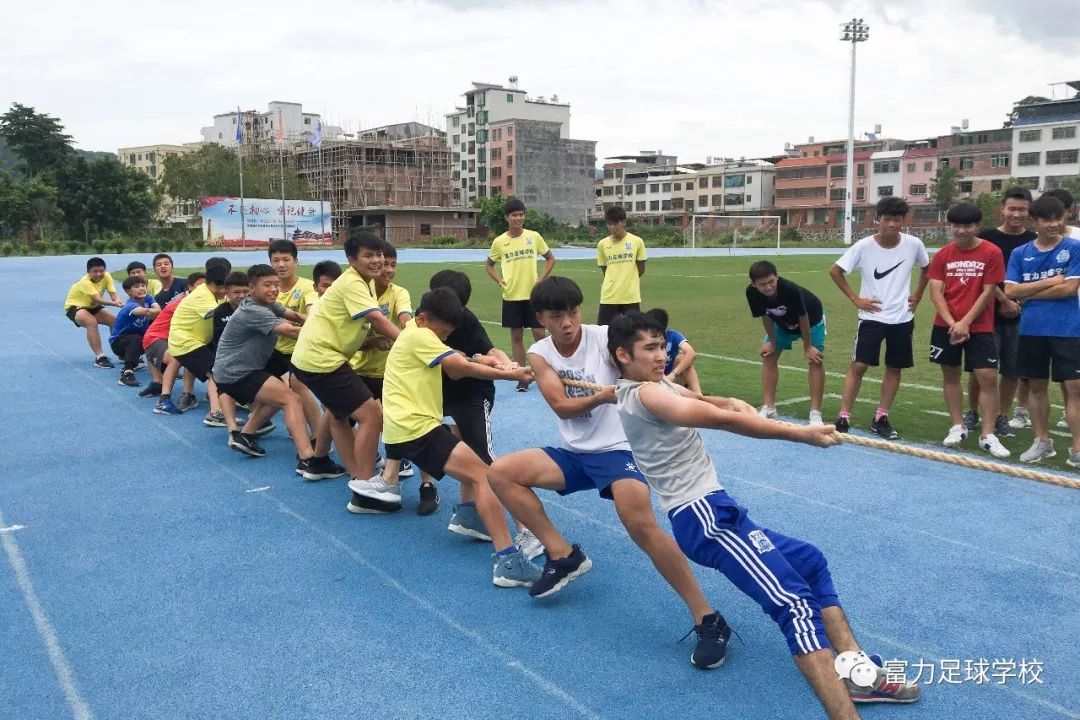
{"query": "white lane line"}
pixel 792 401
pixel 12 528
pixel 79 709
pixel 258 489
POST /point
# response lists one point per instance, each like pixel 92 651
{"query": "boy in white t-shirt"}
pixel 594 455
pixel 886 308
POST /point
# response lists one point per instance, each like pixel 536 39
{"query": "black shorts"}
pixel 374 384
pixel 1038 354
pixel 155 354
pixel 428 452
pixel 474 424
pixel 244 390
pixel 1007 342
pixel 899 352
pixel 979 351
pixel 519 314
pixel 198 362
pixel 278 364
pixel 610 312
pixel 341 391
pixel 71 310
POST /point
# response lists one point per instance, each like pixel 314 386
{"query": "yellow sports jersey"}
pixel 335 326
pixel 394 302
pixel 153 287
pixel 412 389
pixel 80 294
pixel 517 258
pixel 622 285
pixel 298 299
pixel 193 322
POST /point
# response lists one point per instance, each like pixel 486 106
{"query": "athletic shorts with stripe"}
pixel 474 423
pixel 789 578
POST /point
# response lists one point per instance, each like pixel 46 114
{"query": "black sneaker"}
pixel 265 428
pixel 319 468
pixel 104 362
pixel 558 573
pixel 246 444
pixel 151 391
pixel 429 499
pixel 1002 428
pixel 127 377
pixel 522 387
pixel 843 424
pixel 884 429
pixel 360 505
pixel 713 636
pixel 971 419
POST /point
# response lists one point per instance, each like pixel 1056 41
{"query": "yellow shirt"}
pixel 153 287
pixel 622 284
pixel 412 389
pixel 394 302
pixel 299 299
pixel 517 262
pixel 335 327
pixel 80 294
pixel 193 322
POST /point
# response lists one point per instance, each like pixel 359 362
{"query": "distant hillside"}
pixel 9 160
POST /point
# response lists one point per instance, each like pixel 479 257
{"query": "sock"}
pixel 467 504
pixel 508 551
pixel 155 388
pixel 881 412
pixel 844 414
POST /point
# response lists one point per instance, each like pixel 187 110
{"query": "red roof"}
pixel 841 157
pixel 800 162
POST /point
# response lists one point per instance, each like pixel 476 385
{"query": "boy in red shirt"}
pixel 963 277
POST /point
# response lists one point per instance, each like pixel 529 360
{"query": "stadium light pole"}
pixel 854 31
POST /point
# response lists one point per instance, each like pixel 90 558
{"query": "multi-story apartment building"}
pixel 1046 141
pixel 262 128
pixel 982 158
pixel 802 190
pixel 150 159
pixel 920 167
pixel 643 184
pixel 862 188
pixel 729 187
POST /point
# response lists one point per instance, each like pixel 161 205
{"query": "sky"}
pixel 694 78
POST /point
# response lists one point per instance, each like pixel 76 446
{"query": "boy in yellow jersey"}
pixel 335 329
pixel 85 306
pixel 413 414
pixel 621 257
pixel 190 334
pixel 516 251
pixel 138 269
pixel 324 274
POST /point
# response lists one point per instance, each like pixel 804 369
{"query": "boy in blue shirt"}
pixel 680 354
pixel 1044 277
pixel 130 324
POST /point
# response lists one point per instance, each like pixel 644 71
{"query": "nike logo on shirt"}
pixel 878 274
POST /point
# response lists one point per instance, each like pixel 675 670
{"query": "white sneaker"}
pixel 530 544
pixel 1063 423
pixel 992 445
pixel 377 489
pixel 1038 451
pixel 815 418
pixel 767 413
pixel 1020 419
pixel 957 434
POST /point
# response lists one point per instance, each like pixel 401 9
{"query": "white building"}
pixel 468 130
pixel 731 187
pixel 886 174
pixel 1046 142
pixel 150 160
pixel 263 127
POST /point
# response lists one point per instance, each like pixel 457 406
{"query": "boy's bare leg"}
pixel 467 467
pixel 513 478
pixel 818 669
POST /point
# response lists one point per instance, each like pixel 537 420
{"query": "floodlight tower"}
pixel 854 31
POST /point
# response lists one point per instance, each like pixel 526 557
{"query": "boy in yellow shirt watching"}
pixel 621 257
pixel 85 306
pixel 516 251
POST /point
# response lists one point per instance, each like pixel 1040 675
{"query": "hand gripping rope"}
pixel 955 459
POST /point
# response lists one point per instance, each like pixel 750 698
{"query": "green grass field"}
pixel 706 301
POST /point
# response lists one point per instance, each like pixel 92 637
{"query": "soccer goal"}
pixel 732 231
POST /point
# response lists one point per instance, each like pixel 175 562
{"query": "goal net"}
pixel 706 230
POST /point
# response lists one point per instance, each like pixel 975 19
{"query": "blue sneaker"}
pixel 559 573
pixel 713 636
pixel 513 570
pixel 466 521
pixel 165 406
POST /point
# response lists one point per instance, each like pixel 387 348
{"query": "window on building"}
pixel 718 181
pixel 510 131
pixel 609 191
pixel 666 187
pixel 464 147
pixel 860 193
pixel 677 187
pixel 509 97
pixel 944 162
pixel 1061 157
pixel 917 190
pixel 1063 133
pixel 884 191
pixel 472 166
pixel 472 148
pixel 509 181
pixel 749 198
pixel 471 129
pixel 996 185
pixel 837 194
pixel 608 174
pixel 703 182
pixel 1030 135
pixel 749 180
pixel 654 206
pixel 481 155
pixel 676 203
pixel 654 187
pixel 717 201
pixel 307 121
pixel 641 189
pixel 911 167
pixel 999 160
pixel 455 121
pixel 510 161
pixel 733 199
pixel 887 166
pixel 464 164
pixel 496 173
pixel 1052 182
pixel 425 229
pixel 640 206
pixel 456 140
pixel 1027 159
pixel 1029 182
pixel 821 216
pixel 734 181
pixel 482 136
pixel 838 171
pixel 131 159
pixel 140 157
pixel 509 146
pixel 928 166
pixel 496 153
pixel 966 186
pixel 703 201
pixel 967 163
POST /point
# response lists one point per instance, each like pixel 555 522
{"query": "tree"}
pixel 213 171
pixel 37 139
pixel 1029 100
pixel 490 213
pixel 945 187
pixel 988 204
pixel 27 206
pixel 104 195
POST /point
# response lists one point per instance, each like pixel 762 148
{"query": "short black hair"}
pixel 1016 193
pixel 615 214
pixel 194 278
pixel 218 262
pixel 964 214
pixel 361 240
pixel 660 316
pixel 455 280
pixel 135 265
pixel 556 294
pixel 260 270
pixel 513 205
pixel 892 205
pixel 132 281
pixel 162 255
pixel 281 246
pixel 325 268
pixel 762 269
pixel 388 250
pixel 94 262
pixel 216 274
pixel 623 332
pixel 235 279
pixel 1047 207
pixel 1063 195
pixel 442 304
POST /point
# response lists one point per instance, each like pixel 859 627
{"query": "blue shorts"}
pixel 594 471
pixel 789 578
pixel 785 337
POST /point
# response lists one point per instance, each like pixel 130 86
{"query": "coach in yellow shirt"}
pixel 621 257
pixel 516 251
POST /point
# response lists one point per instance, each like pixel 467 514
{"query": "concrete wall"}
pixel 553 175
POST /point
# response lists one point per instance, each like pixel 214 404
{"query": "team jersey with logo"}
pixel 335 326
pixel 1047 318
pixel 393 303
pixel 622 284
pixel 412 390
pixel 886 275
pixel 517 258
pixel 81 293
pixel 964 273
pixel 299 299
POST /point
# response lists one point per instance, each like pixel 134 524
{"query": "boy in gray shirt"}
pixel 789 578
